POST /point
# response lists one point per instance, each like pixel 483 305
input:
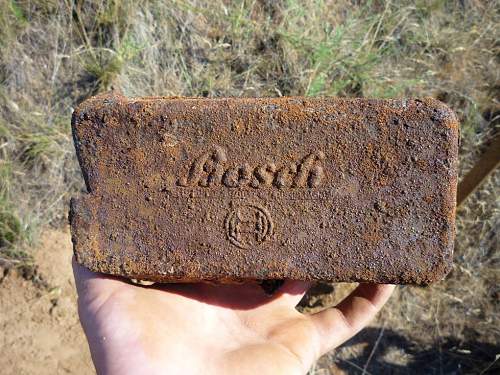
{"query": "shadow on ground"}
pixel 384 351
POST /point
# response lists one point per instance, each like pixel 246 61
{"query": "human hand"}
pixel 212 329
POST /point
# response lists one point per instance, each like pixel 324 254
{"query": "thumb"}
pixel 92 287
pixel 338 324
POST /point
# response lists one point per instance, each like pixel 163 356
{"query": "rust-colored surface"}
pixel 184 189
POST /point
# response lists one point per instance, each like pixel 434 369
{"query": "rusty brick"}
pixel 184 189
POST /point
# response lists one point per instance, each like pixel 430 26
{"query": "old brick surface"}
pixel 184 189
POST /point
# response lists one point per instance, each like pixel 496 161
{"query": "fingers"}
pixel 245 296
pixel 293 291
pixel 338 324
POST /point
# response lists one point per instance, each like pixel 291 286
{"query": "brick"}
pixel 186 189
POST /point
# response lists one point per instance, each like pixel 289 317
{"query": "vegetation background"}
pixel 55 53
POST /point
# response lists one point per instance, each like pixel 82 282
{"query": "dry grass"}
pixel 54 53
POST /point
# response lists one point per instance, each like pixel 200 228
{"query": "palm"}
pixel 207 329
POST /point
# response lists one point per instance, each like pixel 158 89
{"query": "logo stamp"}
pixel 248 226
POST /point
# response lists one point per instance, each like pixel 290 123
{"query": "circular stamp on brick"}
pixel 248 226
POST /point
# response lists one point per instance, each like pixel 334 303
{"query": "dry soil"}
pixel 40 330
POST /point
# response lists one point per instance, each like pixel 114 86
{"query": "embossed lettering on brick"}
pixel 187 189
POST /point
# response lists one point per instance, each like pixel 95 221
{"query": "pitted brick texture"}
pixel 185 189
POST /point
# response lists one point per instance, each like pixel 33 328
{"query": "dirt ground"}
pixel 41 333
